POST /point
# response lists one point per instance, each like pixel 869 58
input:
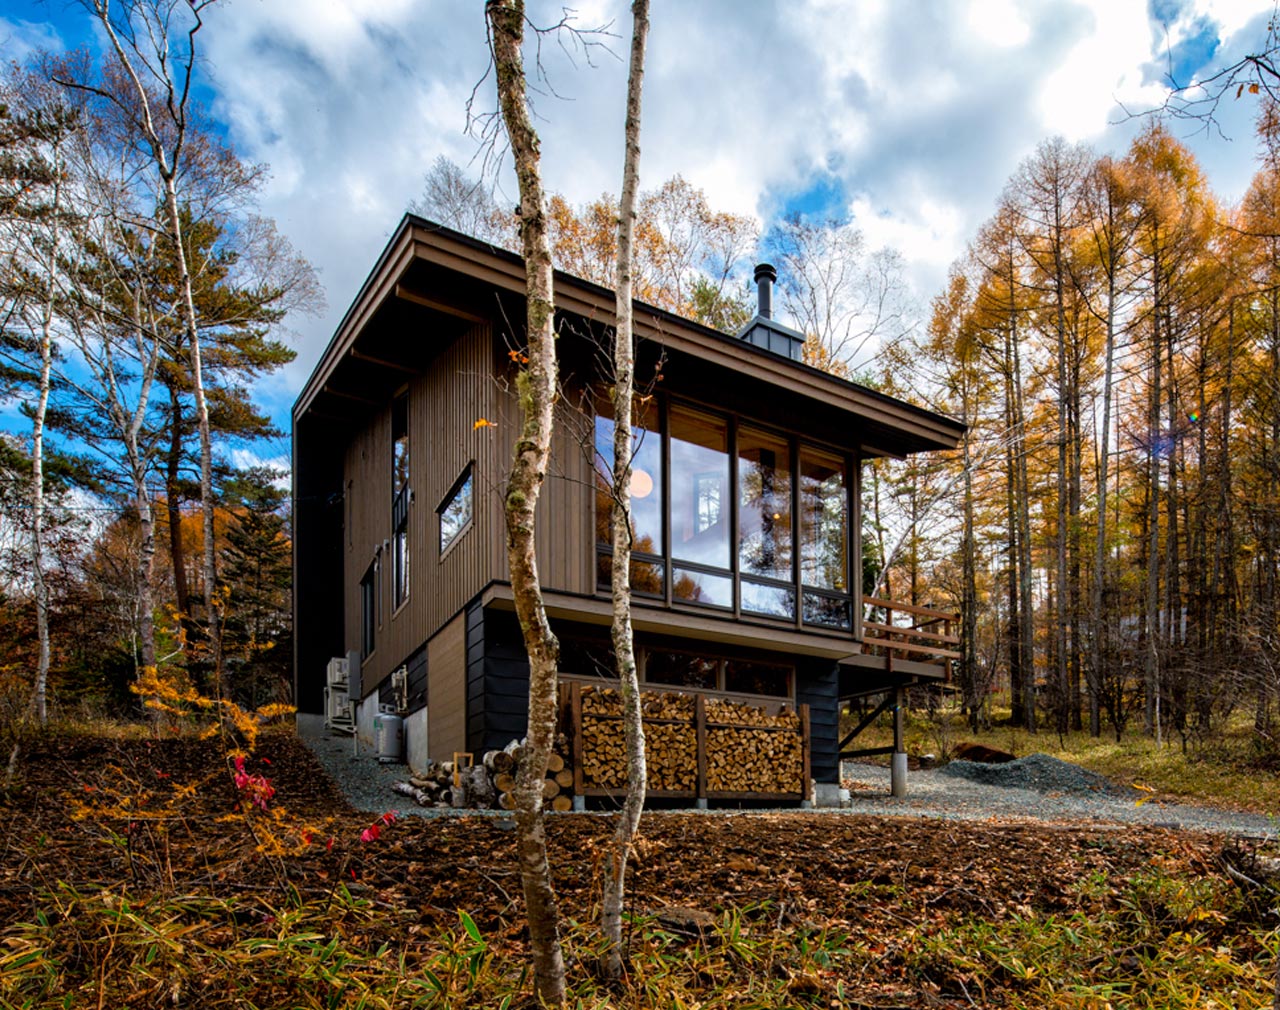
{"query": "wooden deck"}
pixel 902 644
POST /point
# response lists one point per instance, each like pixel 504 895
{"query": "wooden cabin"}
pixel 747 568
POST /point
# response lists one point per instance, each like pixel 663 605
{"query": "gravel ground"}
pixel 1040 788
pixel 1036 787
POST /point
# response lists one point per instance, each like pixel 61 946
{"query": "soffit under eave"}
pixel 380 286
pixel 909 429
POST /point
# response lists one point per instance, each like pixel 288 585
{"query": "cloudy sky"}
pixel 907 116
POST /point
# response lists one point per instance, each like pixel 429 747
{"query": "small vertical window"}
pixel 400 498
pixel 368 611
pixel 455 511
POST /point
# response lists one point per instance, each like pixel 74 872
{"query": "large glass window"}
pixel 824 539
pixel 764 505
pixel 824 522
pixel 699 488
pixel 775 543
pixel 647 574
pixel 714 673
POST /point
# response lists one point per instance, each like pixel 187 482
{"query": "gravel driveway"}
pixel 1062 793
pixel 941 793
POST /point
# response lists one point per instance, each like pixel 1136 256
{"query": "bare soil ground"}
pixel 158 816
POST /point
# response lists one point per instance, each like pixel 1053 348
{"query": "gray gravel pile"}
pixel 1040 773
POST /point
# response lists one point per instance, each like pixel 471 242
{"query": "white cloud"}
pixel 921 111
pixel 998 22
pixel 19 39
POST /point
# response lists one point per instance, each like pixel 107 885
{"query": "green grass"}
pixel 1224 771
pixel 1156 941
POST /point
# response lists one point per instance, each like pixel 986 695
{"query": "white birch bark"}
pixel 166 153
pixel 536 387
pixel 620 518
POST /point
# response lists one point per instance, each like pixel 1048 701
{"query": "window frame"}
pixel 401 499
pixel 463 480
pixel 797 444
pixel 369 622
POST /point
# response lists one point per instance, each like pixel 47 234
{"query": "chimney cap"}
pixel 765 271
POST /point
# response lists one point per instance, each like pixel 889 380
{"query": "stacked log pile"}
pixel 487 784
pixel 670 745
pixel 742 760
pixel 750 749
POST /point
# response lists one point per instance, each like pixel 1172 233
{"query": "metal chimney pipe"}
pixel 765 276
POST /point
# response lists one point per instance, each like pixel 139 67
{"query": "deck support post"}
pixel 898 763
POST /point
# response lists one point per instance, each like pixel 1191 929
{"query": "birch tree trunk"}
pixel 174 79
pixel 39 706
pixel 536 387
pixel 620 519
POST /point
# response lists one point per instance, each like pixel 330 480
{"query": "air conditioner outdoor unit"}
pixel 336 672
pixel 337 710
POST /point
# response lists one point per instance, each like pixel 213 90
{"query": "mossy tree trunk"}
pixel 536 386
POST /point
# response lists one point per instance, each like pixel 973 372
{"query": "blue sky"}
pixel 906 117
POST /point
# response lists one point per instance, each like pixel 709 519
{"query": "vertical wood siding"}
pixel 444 404
pixel 565 537
pixel 447 690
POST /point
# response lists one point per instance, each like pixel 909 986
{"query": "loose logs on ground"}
pixel 488 784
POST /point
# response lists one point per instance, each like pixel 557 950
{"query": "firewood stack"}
pixel 737 713
pixel 749 749
pixel 741 760
pixel 488 784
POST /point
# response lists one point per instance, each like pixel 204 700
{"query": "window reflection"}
pixel 646 479
pixel 744 677
pixel 764 504
pixel 702 587
pixel 769 600
pixel 824 521
pixel 681 669
pixel 699 482
pixel 646 576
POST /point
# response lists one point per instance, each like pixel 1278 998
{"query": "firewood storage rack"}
pixel 571 715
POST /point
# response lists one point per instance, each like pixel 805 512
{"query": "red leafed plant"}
pixel 374 830
pixel 257 789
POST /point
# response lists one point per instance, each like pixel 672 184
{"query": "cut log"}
pixel 506 801
pixel 564 778
pixel 479 787
pixel 504 782
pixel 562 803
pixel 555 763
pixel 550 789
pixel 498 761
pixel 419 796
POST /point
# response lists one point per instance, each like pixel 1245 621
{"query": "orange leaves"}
pixel 482 422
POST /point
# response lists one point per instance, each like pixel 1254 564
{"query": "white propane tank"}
pixel 388 731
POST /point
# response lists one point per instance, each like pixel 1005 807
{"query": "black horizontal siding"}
pixel 417 666
pixel 475 677
pixel 506 681
pixel 817 685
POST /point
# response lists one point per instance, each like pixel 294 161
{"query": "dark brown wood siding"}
pixel 447 690
pixel 444 404
pixel 565 538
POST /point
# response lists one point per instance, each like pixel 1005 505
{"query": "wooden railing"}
pixel 925 636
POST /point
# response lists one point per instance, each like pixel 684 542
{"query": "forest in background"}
pixel 1109 529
